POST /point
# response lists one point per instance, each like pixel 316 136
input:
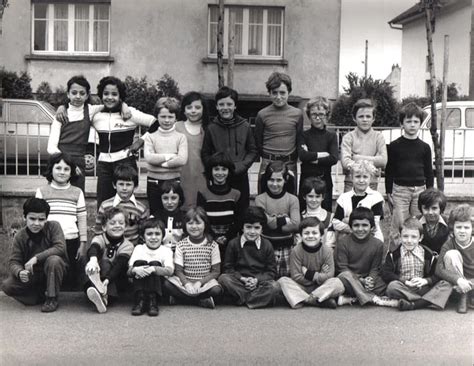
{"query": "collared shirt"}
pixel 411 263
pixel 258 242
pixel 117 200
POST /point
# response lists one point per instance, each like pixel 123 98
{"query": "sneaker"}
pixel 462 304
pixel 96 298
pixel 346 300
pixel 385 301
pixel 99 285
pixel 50 305
pixel 405 305
pixel 207 303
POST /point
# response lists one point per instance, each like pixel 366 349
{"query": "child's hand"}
pixel 252 283
pixel 126 112
pixel 369 283
pixel 419 282
pixel 304 270
pixel 197 286
pixel 463 284
pixel 81 251
pixel 79 172
pixel 221 240
pixel 92 266
pixel 190 288
pixel 141 272
pixel 325 268
pixel 61 114
pixel 137 144
pixel 390 202
pixel 24 276
pixel 29 265
pixel 304 147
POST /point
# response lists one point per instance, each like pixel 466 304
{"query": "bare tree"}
pixel 231 51
pixel 3 5
pixel 220 45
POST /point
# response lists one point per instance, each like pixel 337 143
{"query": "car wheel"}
pixel 90 163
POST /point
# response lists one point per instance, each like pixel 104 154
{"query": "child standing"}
pixel 125 183
pixel 311 264
pixel 409 168
pixel 38 259
pixel 166 151
pixel 283 214
pixel 220 201
pixel 249 267
pixel 195 114
pixel 197 263
pixel 363 143
pixel 68 208
pixel 147 266
pixel 108 257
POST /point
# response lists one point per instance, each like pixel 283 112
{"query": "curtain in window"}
pixel 101 28
pixel 238 30
pixel 214 15
pixel 60 27
pixel 81 36
pixel 40 28
pixel 274 32
pixel 255 31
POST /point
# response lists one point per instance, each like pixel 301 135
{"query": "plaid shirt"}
pixel 411 263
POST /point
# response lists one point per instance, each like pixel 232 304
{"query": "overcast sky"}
pixel 368 19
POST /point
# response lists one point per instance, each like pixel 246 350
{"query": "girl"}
pixel 166 151
pixel 172 198
pixel 68 207
pixel 219 200
pixel 312 193
pixel 197 263
pixel 195 114
pixel 283 213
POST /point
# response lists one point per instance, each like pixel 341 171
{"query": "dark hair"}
pixel 462 213
pixel 225 92
pixel 429 197
pixel 362 103
pixel 125 172
pixel 412 223
pixel 152 223
pixel 192 214
pixel 36 205
pixel 193 96
pixel 171 104
pixel 310 222
pixel 311 183
pixel 362 213
pixel 175 186
pixel 411 110
pixel 111 80
pixel 254 214
pixel 109 214
pixel 79 80
pixel 276 79
pixel 219 158
pixel 278 167
pixel 56 158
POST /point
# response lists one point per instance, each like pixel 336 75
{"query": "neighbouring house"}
pixel 394 79
pixel 454 18
pixel 55 39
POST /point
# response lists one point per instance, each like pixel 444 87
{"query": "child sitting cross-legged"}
pixel 147 266
pixel 249 266
pixel 311 264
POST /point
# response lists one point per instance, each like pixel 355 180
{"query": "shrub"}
pixel 56 98
pixel 453 95
pixel 14 85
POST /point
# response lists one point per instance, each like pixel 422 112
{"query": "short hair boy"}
pixel 363 143
pixel 409 270
pixel 125 182
pixel 278 127
pixel 409 168
pixel 38 259
pixel 249 266
pixel 311 264
pixel 456 260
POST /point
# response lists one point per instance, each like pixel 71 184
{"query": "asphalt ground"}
pixel 186 335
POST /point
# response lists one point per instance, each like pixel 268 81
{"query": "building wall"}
pixel 457 24
pixel 154 37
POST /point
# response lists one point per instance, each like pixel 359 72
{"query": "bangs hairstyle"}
pixel 225 92
pixel 172 185
pixel 191 215
pixel 36 205
pixel 319 102
pixel 362 213
pixel 411 110
pixel 126 173
pixel 190 97
pixel 461 213
pixel 219 159
pixel 152 223
pixel 311 183
pixel 363 103
pixel 431 196
pixel 82 81
pixel 278 167
pixel 56 158
pixel 412 223
pixel 111 80
pixel 311 222
pixel 364 166
pixel 171 104
pixel 110 213
pixel 276 79
pixel 254 214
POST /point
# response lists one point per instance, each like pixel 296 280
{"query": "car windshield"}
pixel 49 107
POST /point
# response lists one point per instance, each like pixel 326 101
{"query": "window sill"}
pixel 72 58
pixel 247 61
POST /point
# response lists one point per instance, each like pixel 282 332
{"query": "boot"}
pixel 462 304
pixel 139 304
pixel 153 305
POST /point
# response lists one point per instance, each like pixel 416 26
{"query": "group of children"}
pixel 199 241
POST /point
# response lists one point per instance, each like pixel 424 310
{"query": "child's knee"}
pixel 452 256
pixel 393 288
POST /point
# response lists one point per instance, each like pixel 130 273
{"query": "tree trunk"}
pixel 231 51
pixel 444 98
pixel 220 45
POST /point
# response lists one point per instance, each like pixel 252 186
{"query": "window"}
pixel 470 118
pixel 81 28
pixel 258 31
pixel 453 118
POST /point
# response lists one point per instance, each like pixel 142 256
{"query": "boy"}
pixel 108 257
pixel 409 168
pixel 456 260
pixel 363 143
pixel 148 264
pixel 409 270
pixel 38 259
pixel 125 183
pixel 249 266
pixel 278 127
pixel 231 134
pixel 358 259
pixel 311 264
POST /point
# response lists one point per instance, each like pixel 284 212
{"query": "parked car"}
pixel 24 131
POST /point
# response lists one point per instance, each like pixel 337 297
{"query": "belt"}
pixel 290 157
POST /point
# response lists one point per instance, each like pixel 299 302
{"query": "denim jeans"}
pixel 405 204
